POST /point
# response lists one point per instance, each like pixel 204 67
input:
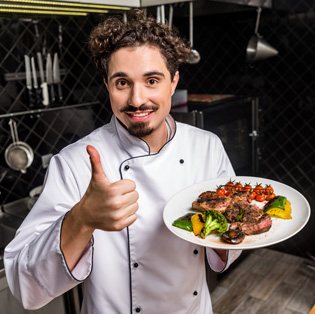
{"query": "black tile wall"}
pixel 83 108
pixel 284 85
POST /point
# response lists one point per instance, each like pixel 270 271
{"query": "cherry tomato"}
pixel 247 187
pixel 270 196
pixel 238 186
pixel 258 188
pixel 268 189
pixel 260 197
pixel 229 192
pixel 221 191
pixel 229 185
pixel 252 195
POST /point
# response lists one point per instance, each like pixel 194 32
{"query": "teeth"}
pixel 142 114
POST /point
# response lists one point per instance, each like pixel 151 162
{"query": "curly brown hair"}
pixel 113 34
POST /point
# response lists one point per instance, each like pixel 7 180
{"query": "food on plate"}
pixel 184 222
pixel 260 197
pixel 260 225
pixel 258 188
pixel 233 236
pixel 214 221
pixel 220 191
pixel 268 189
pixel 278 207
pixel 208 200
pixel 234 211
pixel 238 186
pixel 229 186
pixel 197 223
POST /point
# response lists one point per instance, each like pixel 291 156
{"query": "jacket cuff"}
pixel 215 262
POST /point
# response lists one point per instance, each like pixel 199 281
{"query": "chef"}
pixel 99 217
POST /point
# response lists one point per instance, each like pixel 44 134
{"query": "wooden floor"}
pixel 266 281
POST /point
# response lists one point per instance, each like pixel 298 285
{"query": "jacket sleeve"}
pixel 34 264
pixel 215 262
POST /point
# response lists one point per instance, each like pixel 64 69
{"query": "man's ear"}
pixel 105 83
pixel 175 81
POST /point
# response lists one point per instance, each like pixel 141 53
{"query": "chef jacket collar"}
pixel 134 145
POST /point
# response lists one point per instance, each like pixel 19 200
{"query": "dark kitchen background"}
pixel 284 85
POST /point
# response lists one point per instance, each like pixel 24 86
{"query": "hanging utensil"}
pixel 170 16
pixel 49 77
pixel 257 48
pixel 43 84
pixel 194 56
pixel 29 86
pixel 56 75
pixel 158 14
pixel 38 97
pixel 18 155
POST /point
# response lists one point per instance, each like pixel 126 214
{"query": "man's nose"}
pixel 137 96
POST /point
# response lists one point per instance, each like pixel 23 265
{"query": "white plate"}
pixel 282 229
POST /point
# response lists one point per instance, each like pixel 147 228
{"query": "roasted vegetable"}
pixel 184 222
pixel 278 207
pixel 197 223
pixel 276 202
pixel 214 221
pixel 233 236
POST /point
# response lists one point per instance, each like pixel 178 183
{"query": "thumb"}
pixel 97 169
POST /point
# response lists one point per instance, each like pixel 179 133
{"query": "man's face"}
pixel 140 89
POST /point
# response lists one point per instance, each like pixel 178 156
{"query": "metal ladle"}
pixel 257 48
pixel 194 56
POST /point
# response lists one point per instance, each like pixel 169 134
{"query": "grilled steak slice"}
pixel 241 197
pixel 263 224
pixel 218 204
pixel 207 196
pixel 243 212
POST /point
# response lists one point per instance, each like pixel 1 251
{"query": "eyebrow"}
pixel 123 74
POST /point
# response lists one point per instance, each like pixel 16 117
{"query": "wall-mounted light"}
pixel 55 7
pixel 41 12
pixel 49 8
pixel 71 4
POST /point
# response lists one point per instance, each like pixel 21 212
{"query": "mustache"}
pixel 141 108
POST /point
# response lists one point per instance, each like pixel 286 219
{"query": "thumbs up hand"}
pixel 105 205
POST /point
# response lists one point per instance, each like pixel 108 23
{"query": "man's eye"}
pixel 121 83
pixel 152 81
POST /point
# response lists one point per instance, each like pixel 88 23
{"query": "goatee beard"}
pixel 139 129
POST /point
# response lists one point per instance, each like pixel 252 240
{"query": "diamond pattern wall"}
pixel 49 129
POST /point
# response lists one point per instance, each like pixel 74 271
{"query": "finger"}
pixel 97 168
pixel 131 198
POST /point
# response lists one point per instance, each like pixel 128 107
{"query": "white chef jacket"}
pixel 143 268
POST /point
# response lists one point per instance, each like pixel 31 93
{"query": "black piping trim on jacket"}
pixel 128 238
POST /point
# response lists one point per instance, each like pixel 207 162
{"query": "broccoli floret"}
pixel 213 221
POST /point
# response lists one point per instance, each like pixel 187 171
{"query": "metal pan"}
pixel 18 155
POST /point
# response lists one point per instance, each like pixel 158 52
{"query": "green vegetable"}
pixel 240 214
pixel 276 202
pixel 213 221
pixel 184 222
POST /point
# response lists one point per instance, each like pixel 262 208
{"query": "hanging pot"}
pixel 18 155
pixel 257 48
pixel 194 56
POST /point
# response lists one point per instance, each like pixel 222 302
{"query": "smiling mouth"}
pixel 138 114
